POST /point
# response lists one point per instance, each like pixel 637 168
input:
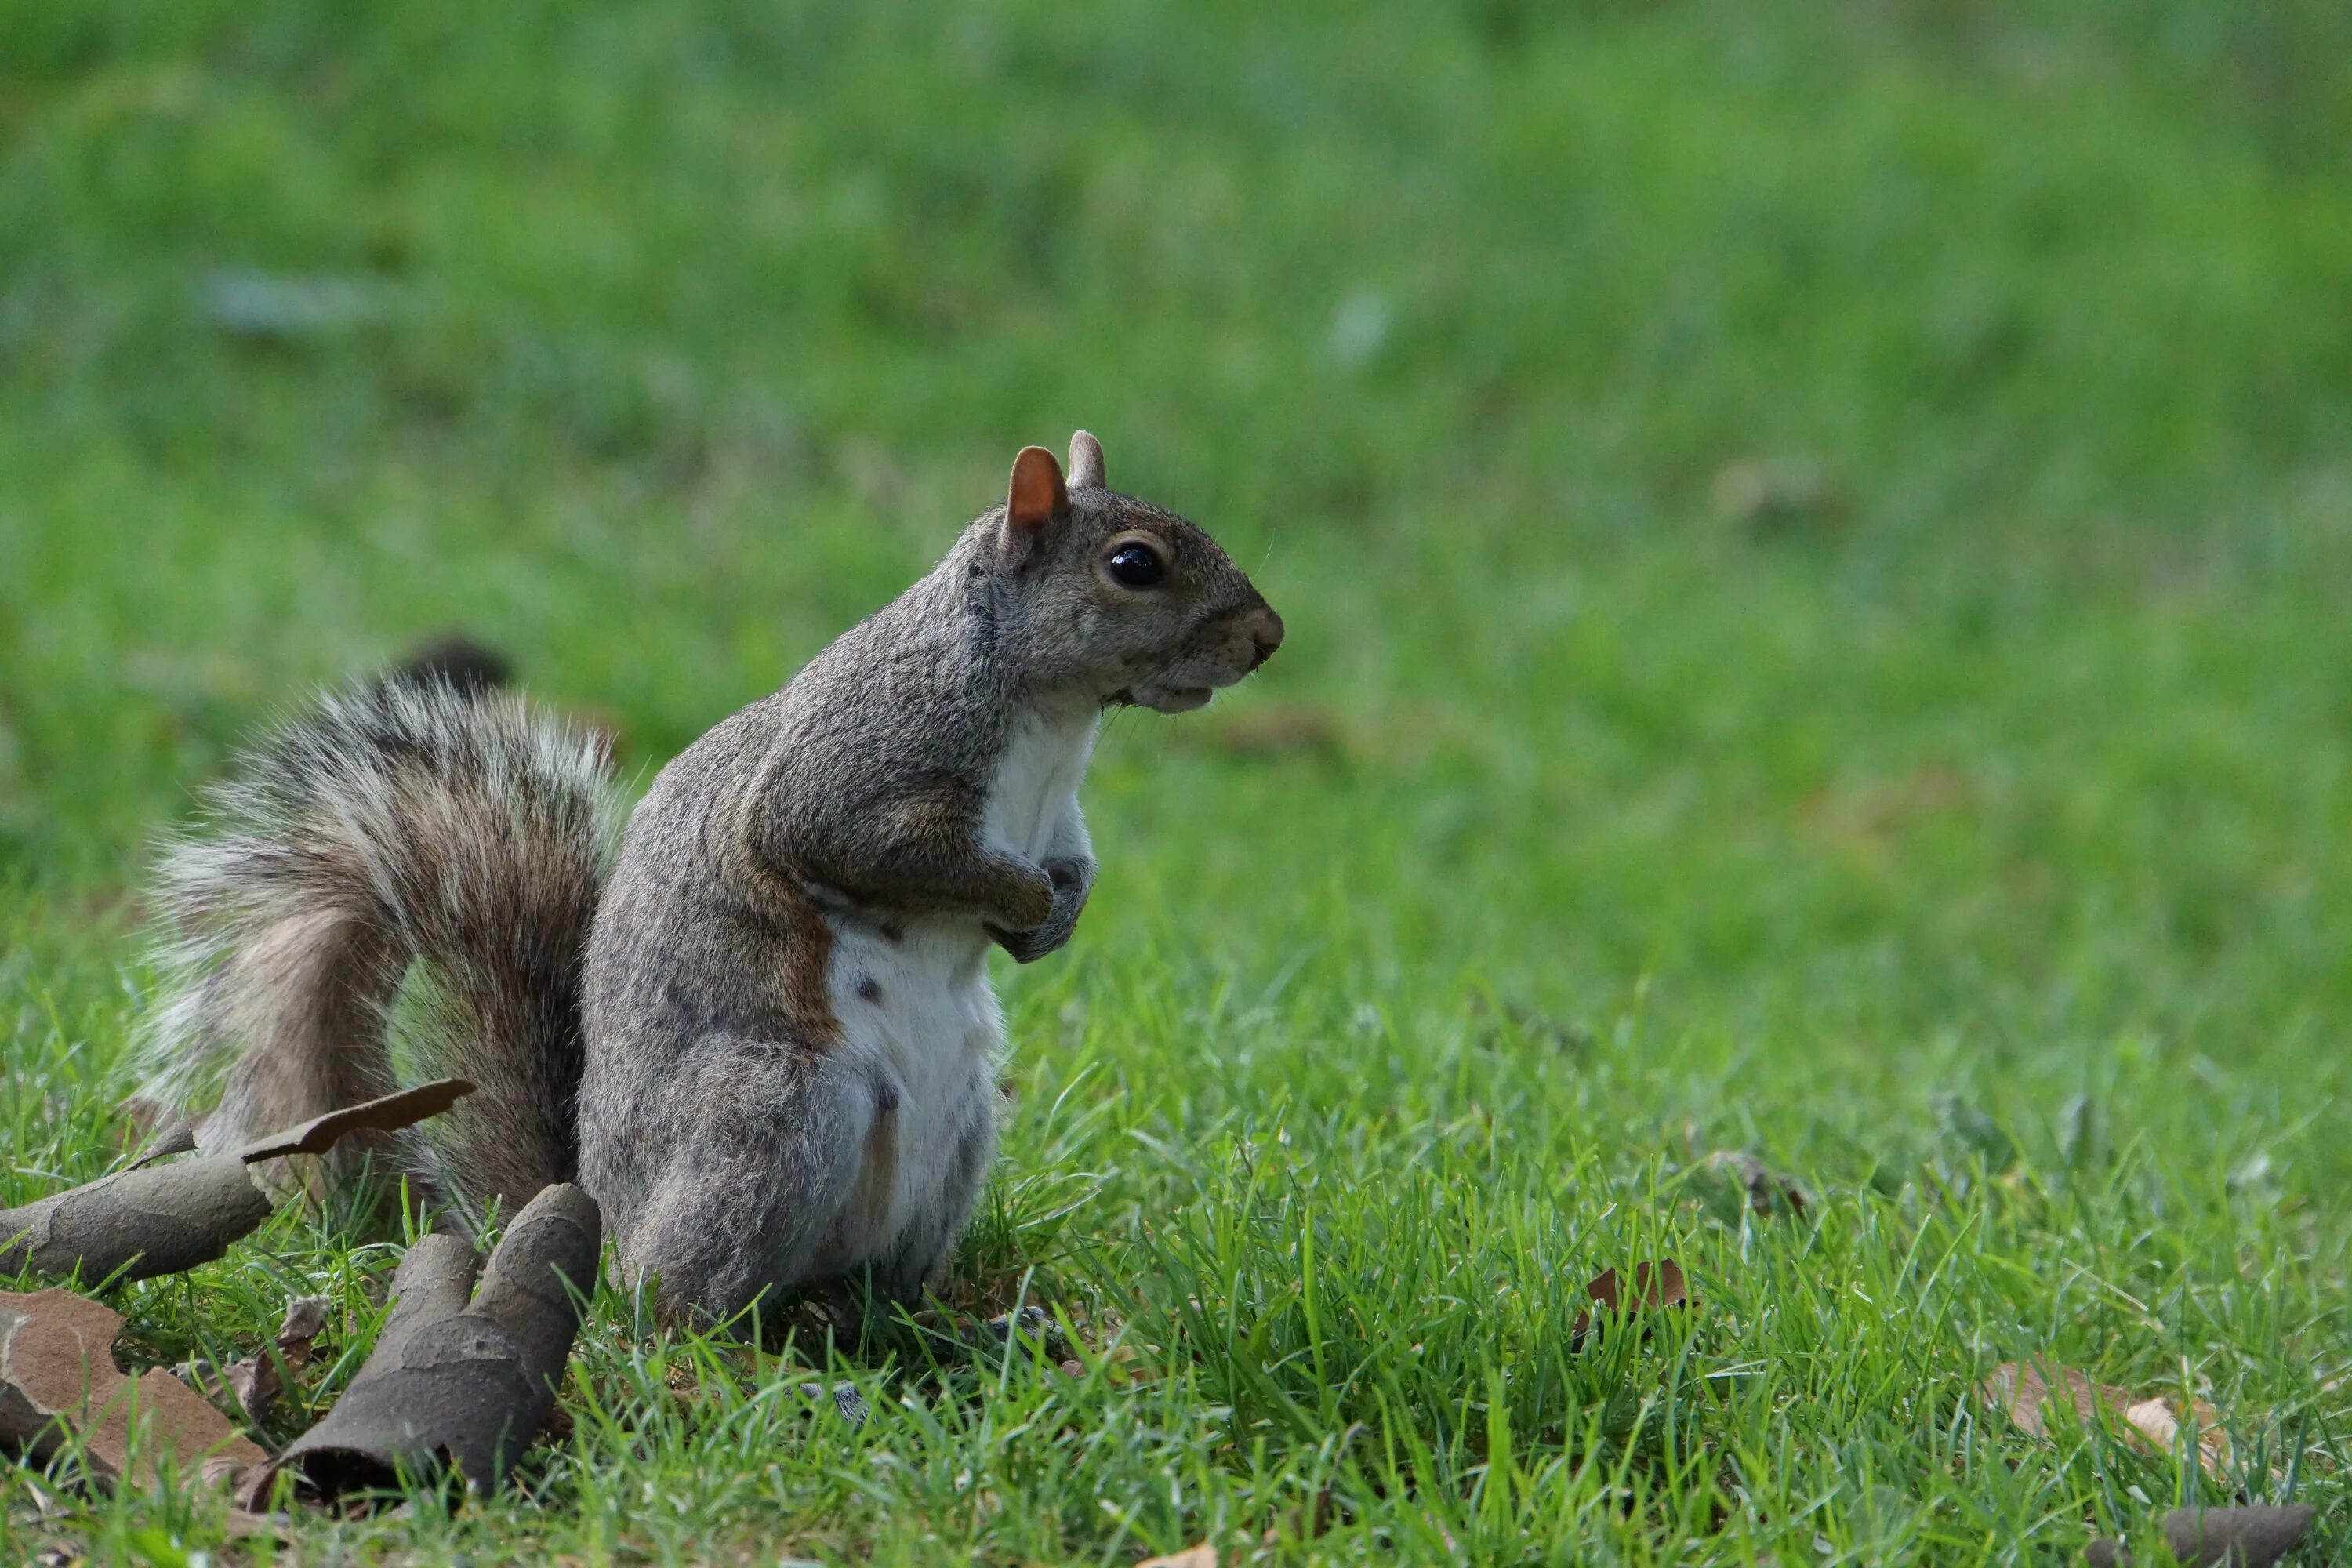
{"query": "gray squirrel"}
pixel 759 1028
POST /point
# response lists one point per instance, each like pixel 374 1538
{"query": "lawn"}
pixel 1815 541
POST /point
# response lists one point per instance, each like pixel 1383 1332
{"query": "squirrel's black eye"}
pixel 1137 566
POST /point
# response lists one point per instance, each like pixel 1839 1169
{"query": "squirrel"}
pixel 756 1021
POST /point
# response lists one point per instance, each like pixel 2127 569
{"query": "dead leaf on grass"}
pixel 2028 1392
pixel 247 1386
pixel 251 1385
pixel 2160 1421
pixel 298 1330
pixel 59 1380
pixel 1656 1287
pixel 1202 1556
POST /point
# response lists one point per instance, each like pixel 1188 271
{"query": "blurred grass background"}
pixel 1814 535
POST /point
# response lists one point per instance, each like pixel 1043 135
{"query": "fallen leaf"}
pixel 137 1223
pixel 1656 1285
pixel 250 1385
pixel 2251 1537
pixel 2026 1392
pixel 1202 1556
pixel 306 1316
pixel 2158 1420
pixel 388 1113
pixel 57 1372
pixel 247 1386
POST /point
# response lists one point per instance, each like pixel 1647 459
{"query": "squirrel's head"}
pixel 1115 598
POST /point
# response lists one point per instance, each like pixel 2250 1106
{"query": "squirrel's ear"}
pixel 1038 496
pixel 1087 463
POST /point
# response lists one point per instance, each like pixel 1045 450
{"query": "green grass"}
pixel 1969 836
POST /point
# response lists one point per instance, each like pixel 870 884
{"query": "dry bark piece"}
pixel 58 1379
pixel 1656 1285
pixel 387 1113
pixel 179 1138
pixel 454 1385
pixel 135 1224
pixel 167 1218
pixel 2251 1537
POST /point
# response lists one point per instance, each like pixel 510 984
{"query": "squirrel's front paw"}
pixel 1072 880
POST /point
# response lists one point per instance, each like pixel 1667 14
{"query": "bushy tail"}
pixel 410 869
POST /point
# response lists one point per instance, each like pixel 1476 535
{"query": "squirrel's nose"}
pixel 1263 629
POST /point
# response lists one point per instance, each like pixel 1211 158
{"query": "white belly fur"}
pixel 918 1014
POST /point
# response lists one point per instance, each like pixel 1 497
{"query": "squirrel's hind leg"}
pixel 919 1256
pixel 743 1210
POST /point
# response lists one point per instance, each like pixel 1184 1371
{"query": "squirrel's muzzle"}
pixel 1263 629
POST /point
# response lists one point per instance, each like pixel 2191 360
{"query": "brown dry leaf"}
pixel 251 1385
pixel 2027 1393
pixel 1202 1556
pixel 1656 1285
pixel 57 1368
pixel 389 1113
pixel 247 1386
pixel 2159 1421
pixel 306 1316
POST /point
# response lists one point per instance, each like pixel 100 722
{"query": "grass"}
pixel 1953 814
